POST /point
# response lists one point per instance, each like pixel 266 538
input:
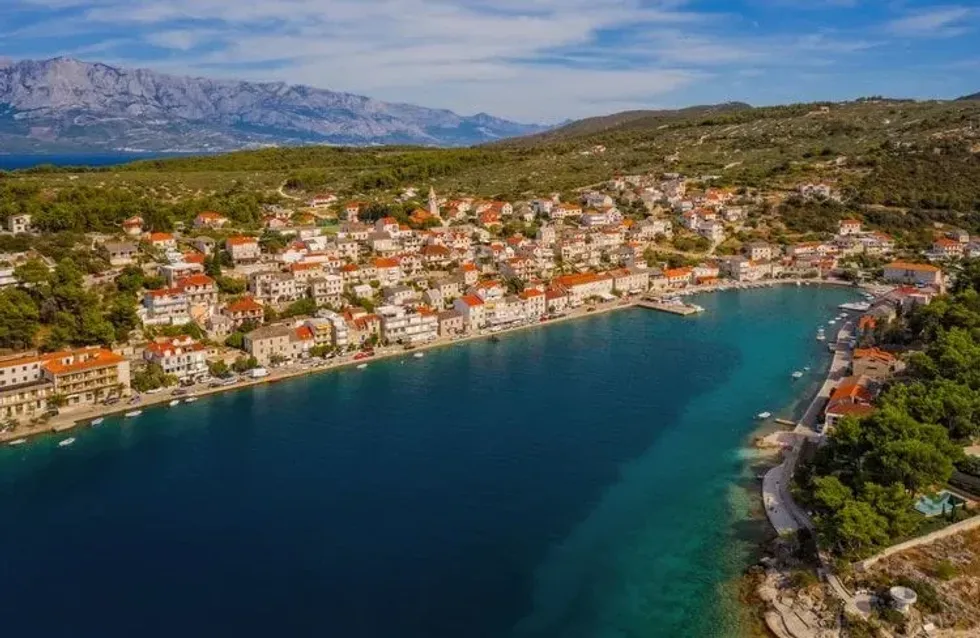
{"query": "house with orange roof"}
pixel 556 300
pixel 210 219
pixel 244 310
pixel 851 391
pixel 849 227
pixel 679 277
pixel 133 226
pixel 875 363
pixel 183 357
pixel 387 270
pixel 945 248
pixel 243 249
pixel 901 272
pixel 322 200
pixel 165 307
pixel 473 310
pixel 86 376
pixel 535 303
pixel 163 241
pixel 200 290
pixel 583 286
pixel 470 273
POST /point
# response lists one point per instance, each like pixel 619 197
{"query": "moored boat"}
pixel 66 442
pixel 418 355
pixel 190 399
pixel 174 402
pixel 17 442
pixel 798 375
pixel 362 366
pixel 763 415
pixel 133 414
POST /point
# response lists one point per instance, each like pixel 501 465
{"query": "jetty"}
pixel 671 306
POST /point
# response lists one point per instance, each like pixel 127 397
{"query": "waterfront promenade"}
pixel 784 514
pixel 71 418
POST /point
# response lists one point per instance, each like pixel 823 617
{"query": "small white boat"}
pixel 66 442
pixel 17 442
pixel 798 375
pixel 821 337
pixel 418 355
pixel 174 402
pixel 762 416
pixel 362 366
pixel 831 322
pixel 98 421
pixel 190 399
pixel 133 414
pixel 806 369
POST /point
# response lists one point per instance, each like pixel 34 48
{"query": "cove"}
pixel 570 481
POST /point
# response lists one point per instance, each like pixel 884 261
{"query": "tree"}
pixel 19 319
pixel 236 340
pixel 218 368
pixel 130 280
pixel 855 529
pixel 32 273
pixel 152 377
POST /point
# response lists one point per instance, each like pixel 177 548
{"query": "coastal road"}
pixel 784 514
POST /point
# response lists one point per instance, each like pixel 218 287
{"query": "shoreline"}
pixel 74 419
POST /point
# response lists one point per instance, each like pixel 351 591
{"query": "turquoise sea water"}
pixel 572 481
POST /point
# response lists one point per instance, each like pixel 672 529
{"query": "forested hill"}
pixel 905 164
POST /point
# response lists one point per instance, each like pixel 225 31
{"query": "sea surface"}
pixel 573 481
pixel 14 162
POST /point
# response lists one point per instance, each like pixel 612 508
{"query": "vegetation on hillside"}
pixel 863 484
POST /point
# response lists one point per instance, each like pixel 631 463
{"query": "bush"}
pixel 945 570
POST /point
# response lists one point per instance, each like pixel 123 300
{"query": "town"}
pixel 326 281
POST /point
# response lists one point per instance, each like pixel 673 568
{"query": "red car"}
pixel 362 355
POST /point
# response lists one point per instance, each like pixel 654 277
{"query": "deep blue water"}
pixel 574 481
pixel 13 162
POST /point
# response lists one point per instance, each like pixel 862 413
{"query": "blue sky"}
pixel 531 60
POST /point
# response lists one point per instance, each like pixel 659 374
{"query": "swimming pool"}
pixel 939 504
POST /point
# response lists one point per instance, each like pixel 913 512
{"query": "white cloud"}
pixel 534 60
pixel 934 22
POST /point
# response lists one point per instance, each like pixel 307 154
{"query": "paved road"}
pixel 783 512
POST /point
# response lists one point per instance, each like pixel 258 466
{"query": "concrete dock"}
pixel 673 308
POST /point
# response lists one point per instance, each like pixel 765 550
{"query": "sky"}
pixel 528 60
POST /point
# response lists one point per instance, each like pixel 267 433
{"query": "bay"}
pixel 578 480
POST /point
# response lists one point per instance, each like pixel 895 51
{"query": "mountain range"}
pixel 64 105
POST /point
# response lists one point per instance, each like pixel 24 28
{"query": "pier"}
pixel 682 309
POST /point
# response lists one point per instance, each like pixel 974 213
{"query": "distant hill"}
pixel 975 96
pixel 68 105
pixel 631 119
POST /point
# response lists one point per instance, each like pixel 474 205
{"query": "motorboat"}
pixel 418 355
pixel 190 399
pixel 362 366
pixel 798 375
pixel 174 403
pixel 17 442
pixel 66 442
pixel 831 322
pixel 98 421
pixel 133 414
pixel 821 336
pixel 762 416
